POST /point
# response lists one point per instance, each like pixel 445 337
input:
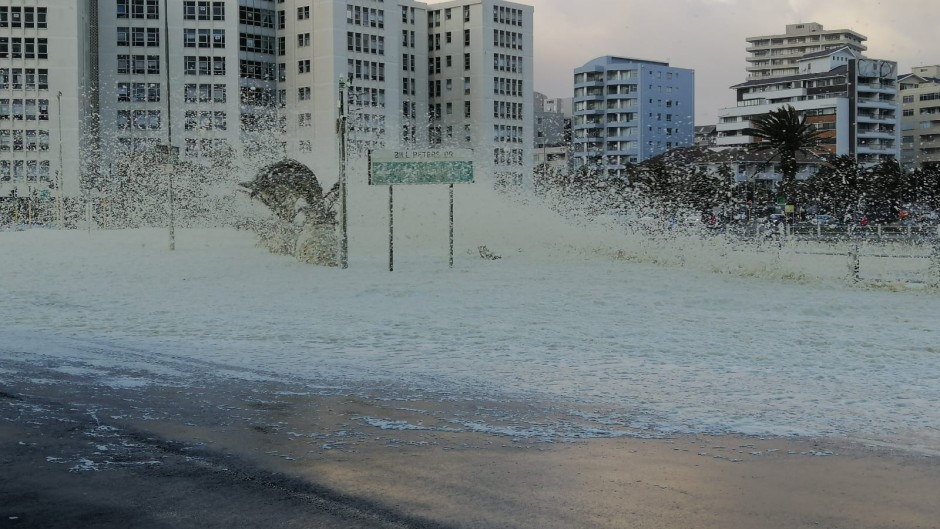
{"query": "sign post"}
pixel 420 166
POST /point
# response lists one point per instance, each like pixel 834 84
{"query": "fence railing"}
pixel 908 254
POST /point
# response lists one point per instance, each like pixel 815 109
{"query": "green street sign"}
pixel 421 166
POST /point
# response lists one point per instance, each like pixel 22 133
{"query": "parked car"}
pixel 776 218
pixel 822 220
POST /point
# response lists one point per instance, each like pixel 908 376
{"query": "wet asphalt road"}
pixel 67 461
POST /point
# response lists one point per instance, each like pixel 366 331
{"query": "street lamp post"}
pixel 168 153
pixel 341 125
pixel 168 157
pixel 59 211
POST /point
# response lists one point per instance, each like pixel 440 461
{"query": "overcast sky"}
pixel 708 36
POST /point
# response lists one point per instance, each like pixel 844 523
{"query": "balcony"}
pixel 592 96
pixel 876 134
pixel 621 123
pixel 730 141
pixel 875 118
pixel 876 147
pixel 622 104
pixel 734 125
pixel 877 87
pixel 592 80
pixel 786 93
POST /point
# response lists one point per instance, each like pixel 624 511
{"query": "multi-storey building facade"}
pixel 920 119
pixel 376 50
pixel 200 75
pixel 552 128
pixel 852 99
pixel 552 121
pixel 480 84
pixel 629 110
pixel 43 115
pixel 263 77
pixel 779 55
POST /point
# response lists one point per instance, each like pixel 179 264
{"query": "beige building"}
pixel 920 116
pixel 779 55
pixel 851 99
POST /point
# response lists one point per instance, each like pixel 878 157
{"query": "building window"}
pixel 303 93
pixel 153 10
pixel 253 16
pixel 303 13
pixel 303 66
pixel 303 40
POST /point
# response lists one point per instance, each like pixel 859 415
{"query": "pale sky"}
pixel 708 36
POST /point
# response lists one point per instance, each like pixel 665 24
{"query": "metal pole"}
pixel 934 279
pixel 59 210
pixel 854 264
pixel 172 207
pixel 451 225
pixel 391 230
pixel 344 235
pixel 169 123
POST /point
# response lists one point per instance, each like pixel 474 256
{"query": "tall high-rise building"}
pixel 629 110
pixel 45 68
pixel 104 78
pixel 200 75
pixel 480 84
pixel 779 55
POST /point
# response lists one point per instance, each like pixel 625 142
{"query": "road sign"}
pixel 421 166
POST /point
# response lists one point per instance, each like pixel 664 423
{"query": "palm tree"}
pixel 786 132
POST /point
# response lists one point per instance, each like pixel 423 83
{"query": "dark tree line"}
pixel 661 188
pixel 844 188
pixel 841 187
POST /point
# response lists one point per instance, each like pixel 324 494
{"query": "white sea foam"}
pixel 662 333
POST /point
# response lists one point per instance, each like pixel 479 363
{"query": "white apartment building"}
pixel 779 55
pixel 920 120
pixel 480 85
pixel 44 63
pixel 852 99
pixel 377 50
pixel 199 75
pixel 262 76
